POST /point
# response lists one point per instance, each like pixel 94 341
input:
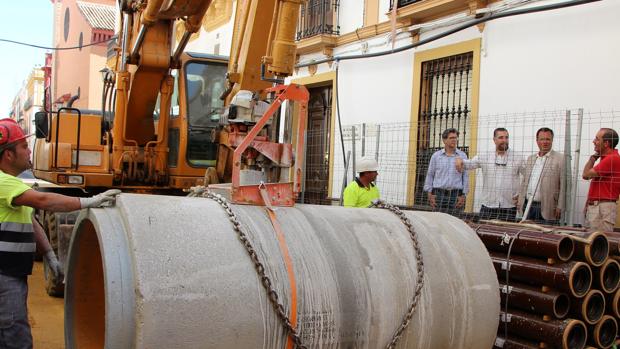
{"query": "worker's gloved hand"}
pixel 104 199
pixel 54 265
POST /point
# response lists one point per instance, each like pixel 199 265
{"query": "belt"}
pixel 447 191
pixel 596 202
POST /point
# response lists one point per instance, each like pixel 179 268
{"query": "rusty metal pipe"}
pixel 596 251
pixel 603 333
pixel 612 303
pixel 589 308
pixel 529 243
pixel 513 343
pixel 533 300
pixel 565 334
pixel 573 277
pixel 607 276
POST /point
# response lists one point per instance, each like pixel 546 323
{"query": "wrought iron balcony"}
pixel 318 17
pixel 402 3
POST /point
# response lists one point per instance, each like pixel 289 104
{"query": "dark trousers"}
pixel 504 214
pixel 535 214
pixel 14 326
pixel 446 200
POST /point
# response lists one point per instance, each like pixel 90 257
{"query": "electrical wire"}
pixel 485 18
pixel 57 48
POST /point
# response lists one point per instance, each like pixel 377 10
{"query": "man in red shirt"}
pixel 605 184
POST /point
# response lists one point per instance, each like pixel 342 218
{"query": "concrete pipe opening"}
pixel 605 332
pixel 87 308
pixel 593 307
pixel 580 279
pixel 575 335
pixel 610 275
pixel 566 248
pixel 561 305
pixel 598 250
pixel 170 272
pixel 612 302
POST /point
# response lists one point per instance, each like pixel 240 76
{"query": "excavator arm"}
pixel 262 55
pixel 143 76
pixel 263 44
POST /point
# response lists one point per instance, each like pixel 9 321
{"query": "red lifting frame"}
pixel 280 194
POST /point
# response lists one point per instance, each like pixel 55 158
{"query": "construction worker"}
pixel 362 191
pixel 21 235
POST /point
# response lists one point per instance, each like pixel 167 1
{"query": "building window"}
pixel 318 17
pixel 402 3
pixel 445 102
pixel 66 26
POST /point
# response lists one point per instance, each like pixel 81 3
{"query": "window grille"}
pixel 318 17
pixel 445 102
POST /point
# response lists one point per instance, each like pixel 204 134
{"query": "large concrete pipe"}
pixel 170 272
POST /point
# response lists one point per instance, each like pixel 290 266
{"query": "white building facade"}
pixel 557 68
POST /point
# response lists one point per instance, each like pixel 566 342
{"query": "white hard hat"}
pixel 367 164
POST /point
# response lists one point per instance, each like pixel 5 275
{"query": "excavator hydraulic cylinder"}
pixel 172 272
pixel 282 56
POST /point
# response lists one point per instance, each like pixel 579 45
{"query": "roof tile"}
pixel 99 16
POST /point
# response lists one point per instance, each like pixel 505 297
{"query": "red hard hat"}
pixel 10 132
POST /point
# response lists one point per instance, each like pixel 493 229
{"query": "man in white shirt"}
pixel 543 182
pixel 501 170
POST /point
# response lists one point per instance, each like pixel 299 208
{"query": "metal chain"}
pixel 420 266
pixel 273 295
pixel 258 265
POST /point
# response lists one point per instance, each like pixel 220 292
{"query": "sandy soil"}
pixel 46 313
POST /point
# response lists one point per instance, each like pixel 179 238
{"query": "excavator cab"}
pixel 205 83
pixel 74 148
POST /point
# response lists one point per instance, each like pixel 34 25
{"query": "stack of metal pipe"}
pixel 560 288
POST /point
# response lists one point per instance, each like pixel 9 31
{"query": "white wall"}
pixel 376 89
pixel 351 15
pixel 549 60
pixel 207 41
pixel 533 68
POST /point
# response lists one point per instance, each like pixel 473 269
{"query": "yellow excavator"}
pixel 175 118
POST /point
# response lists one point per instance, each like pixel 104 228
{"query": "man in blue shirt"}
pixel 445 186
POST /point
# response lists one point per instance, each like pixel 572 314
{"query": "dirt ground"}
pixel 46 313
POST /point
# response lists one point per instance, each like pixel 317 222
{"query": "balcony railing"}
pixel 318 17
pixel 402 3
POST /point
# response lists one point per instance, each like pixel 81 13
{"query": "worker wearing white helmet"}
pixel 362 191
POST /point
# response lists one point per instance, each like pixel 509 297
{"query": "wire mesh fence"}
pixel 493 177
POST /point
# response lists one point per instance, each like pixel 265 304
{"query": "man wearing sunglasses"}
pixel 500 169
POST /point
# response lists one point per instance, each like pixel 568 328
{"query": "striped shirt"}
pixel 17 243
